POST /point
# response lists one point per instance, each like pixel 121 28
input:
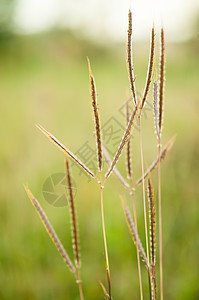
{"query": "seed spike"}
pixel 162 73
pixel 65 150
pixel 129 58
pixel 128 148
pixel 152 222
pixel 155 107
pixel 124 140
pixel 96 116
pixel 73 216
pixel 150 67
pixel 134 235
pixel 51 231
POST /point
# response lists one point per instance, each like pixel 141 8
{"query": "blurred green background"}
pixel 44 79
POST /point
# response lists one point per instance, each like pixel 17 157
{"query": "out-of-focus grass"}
pixel 45 80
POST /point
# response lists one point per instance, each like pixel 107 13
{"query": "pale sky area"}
pixel 108 17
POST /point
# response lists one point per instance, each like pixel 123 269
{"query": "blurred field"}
pixel 44 79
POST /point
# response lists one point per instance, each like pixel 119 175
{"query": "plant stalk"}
pixel 79 282
pixel 104 236
pixel 160 222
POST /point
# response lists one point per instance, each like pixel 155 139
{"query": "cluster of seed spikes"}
pixel 127 183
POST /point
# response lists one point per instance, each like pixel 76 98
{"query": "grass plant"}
pixel 148 253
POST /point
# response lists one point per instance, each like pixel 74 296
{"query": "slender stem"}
pixel 149 278
pixel 79 281
pixel 104 236
pixel 143 191
pixel 160 223
pixel 136 230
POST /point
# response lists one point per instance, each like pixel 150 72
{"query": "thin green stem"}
pixel 79 282
pixel 149 278
pixel 104 236
pixel 160 223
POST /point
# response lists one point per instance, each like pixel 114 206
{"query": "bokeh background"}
pixel 44 79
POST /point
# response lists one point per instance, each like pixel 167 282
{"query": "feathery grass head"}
pixel 128 148
pixel 96 116
pixel 134 236
pixel 150 67
pixel 51 231
pixel 152 222
pixel 124 140
pixel 155 107
pixel 129 58
pixel 152 219
pixel 65 150
pixel 73 216
pixel 161 84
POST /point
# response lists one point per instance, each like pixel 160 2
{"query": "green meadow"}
pixel 44 80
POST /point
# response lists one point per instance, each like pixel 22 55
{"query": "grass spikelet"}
pixel 51 231
pixel 163 154
pixel 150 67
pixel 129 58
pixel 65 150
pixel 73 216
pixel 96 116
pixel 161 84
pixel 152 222
pixel 128 148
pixel 134 236
pixel 155 107
pixel 152 219
pixel 125 139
